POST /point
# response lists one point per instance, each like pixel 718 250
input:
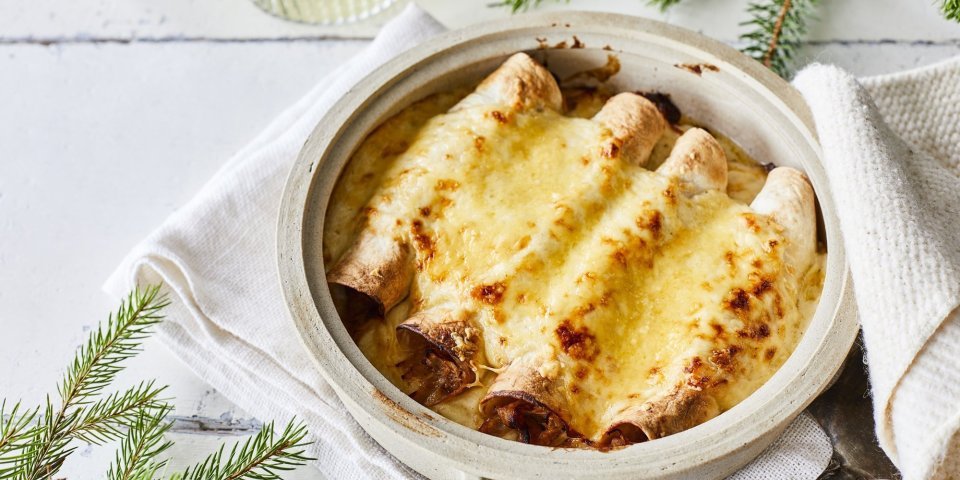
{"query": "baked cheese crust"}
pixel 532 247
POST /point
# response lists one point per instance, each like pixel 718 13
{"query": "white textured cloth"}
pixel 229 323
pixel 892 153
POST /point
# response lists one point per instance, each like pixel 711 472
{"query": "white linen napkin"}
pixel 899 206
pixel 229 323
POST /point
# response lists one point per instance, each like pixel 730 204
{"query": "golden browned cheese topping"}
pixel 554 244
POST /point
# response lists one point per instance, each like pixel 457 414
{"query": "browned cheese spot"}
pixel 479 142
pixel 723 358
pixel 490 294
pixel 755 332
pixel 730 259
pixel 697 382
pixel 499 116
pixel 769 353
pixel 574 389
pixel 581 373
pixel 561 44
pixel 620 255
pixel 611 149
pixel 738 300
pixel 655 223
pixel 695 364
pixel 671 194
pixel 773 244
pixel 717 328
pixel 578 342
pixel 757 263
pixel 605 298
pixel 422 240
pixel 522 298
pixel 761 287
pixel 502 340
pixel 751 221
pixel 425 211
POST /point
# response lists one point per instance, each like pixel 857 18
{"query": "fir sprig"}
pixel 261 457
pixel 779 27
pixel 16 428
pixel 94 367
pixel 136 459
pixel 105 419
pixel 517 5
pixel 951 10
pixel 35 444
pixel 663 5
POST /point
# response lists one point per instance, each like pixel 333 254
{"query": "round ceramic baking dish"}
pixel 710 82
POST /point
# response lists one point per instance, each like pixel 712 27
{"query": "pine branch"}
pixel 94 367
pixel 261 457
pixel 136 459
pixel 951 10
pixel 779 27
pixel 104 420
pixel 16 429
pixel 663 5
pixel 517 5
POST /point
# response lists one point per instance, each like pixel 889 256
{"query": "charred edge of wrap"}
pixel 698 161
pixel 524 401
pixel 520 83
pixel 372 277
pixel 788 198
pixel 636 124
pixel 446 341
pixel 682 409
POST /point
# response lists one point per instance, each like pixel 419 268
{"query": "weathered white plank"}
pixel 45 20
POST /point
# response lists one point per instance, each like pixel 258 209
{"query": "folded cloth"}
pixel 892 153
pixel 229 323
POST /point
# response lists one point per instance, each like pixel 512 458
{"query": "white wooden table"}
pixel 114 112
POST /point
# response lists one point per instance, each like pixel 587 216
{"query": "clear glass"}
pixel 327 12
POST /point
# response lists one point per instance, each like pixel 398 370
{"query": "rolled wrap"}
pixel 788 198
pixel 445 341
pixel 520 83
pixel 697 161
pixel 683 408
pixel 527 399
pixel 636 124
pixel 373 276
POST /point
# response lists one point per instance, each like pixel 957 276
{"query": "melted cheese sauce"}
pixel 632 286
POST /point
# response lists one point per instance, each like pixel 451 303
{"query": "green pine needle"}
pixel 143 442
pixel 261 457
pixel 517 5
pixel 94 367
pixel 34 444
pixel 951 10
pixel 104 420
pixel 779 27
pixel 17 427
pixel 663 5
